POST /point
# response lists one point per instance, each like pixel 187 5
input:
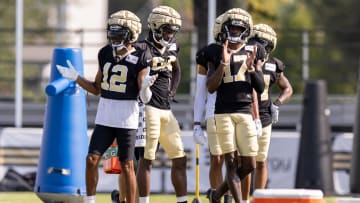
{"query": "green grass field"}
pixel 30 197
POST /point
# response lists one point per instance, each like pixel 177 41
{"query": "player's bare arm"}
pixel 176 76
pixel 251 55
pixel 91 86
pixel 286 88
pixel 201 69
pixel 255 106
pixel 215 76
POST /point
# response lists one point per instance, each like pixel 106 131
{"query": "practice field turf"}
pixel 30 197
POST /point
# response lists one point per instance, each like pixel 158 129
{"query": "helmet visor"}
pixel 118 34
pixel 237 31
pixel 165 34
pixel 171 29
pixel 265 43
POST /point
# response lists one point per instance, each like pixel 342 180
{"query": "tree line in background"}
pixel 333 27
pixel 334 37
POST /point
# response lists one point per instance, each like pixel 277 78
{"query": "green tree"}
pixel 293 20
pixel 35 17
pixel 340 21
pixel 334 40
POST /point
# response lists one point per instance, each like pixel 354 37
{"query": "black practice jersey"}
pixel 119 79
pixel 160 64
pixel 272 70
pixel 234 95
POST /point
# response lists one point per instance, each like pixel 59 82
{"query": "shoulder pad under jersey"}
pixel 201 57
pixel 142 45
pixel 280 66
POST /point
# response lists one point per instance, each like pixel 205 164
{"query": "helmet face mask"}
pixel 118 34
pixel 236 31
pixel 168 28
pixel 124 28
pixel 269 46
pixel 236 25
pixel 118 37
pixel 164 22
pixel 165 34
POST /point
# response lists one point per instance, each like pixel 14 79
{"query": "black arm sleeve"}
pixel 257 81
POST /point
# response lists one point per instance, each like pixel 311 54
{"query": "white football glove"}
pixel 148 80
pixel 258 126
pixel 274 113
pixel 145 92
pixel 199 135
pixel 68 72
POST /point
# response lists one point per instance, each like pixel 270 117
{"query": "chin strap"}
pixel 162 50
pixel 238 39
pixel 118 48
pixel 236 50
pixel 162 42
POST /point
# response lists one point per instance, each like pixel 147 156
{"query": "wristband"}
pixel 277 102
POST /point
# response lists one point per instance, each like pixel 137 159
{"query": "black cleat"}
pixel 227 198
pixel 115 196
pixel 210 195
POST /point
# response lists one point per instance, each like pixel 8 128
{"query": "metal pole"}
pixel 19 68
pixel 355 160
pixel 193 71
pixel 305 55
pixel 211 19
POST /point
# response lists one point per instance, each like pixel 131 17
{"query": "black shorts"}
pixel 103 136
pixel 139 153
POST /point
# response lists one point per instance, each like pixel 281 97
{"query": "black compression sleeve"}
pixel 257 81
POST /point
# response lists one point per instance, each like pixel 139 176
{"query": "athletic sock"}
pixel 144 199
pixel 90 199
pixel 245 201
pixel 182 199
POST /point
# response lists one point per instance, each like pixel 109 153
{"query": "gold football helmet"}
pixel 163 19
pixel 124 24
pixel 265 35
pixel 123 27
pixel 217 29
pixel 240 19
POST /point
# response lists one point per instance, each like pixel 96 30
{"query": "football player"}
pixel 122 68
pixel 234 71
pixel 118 196
pixel 204 101
pixel 273 72
pixel 158 89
